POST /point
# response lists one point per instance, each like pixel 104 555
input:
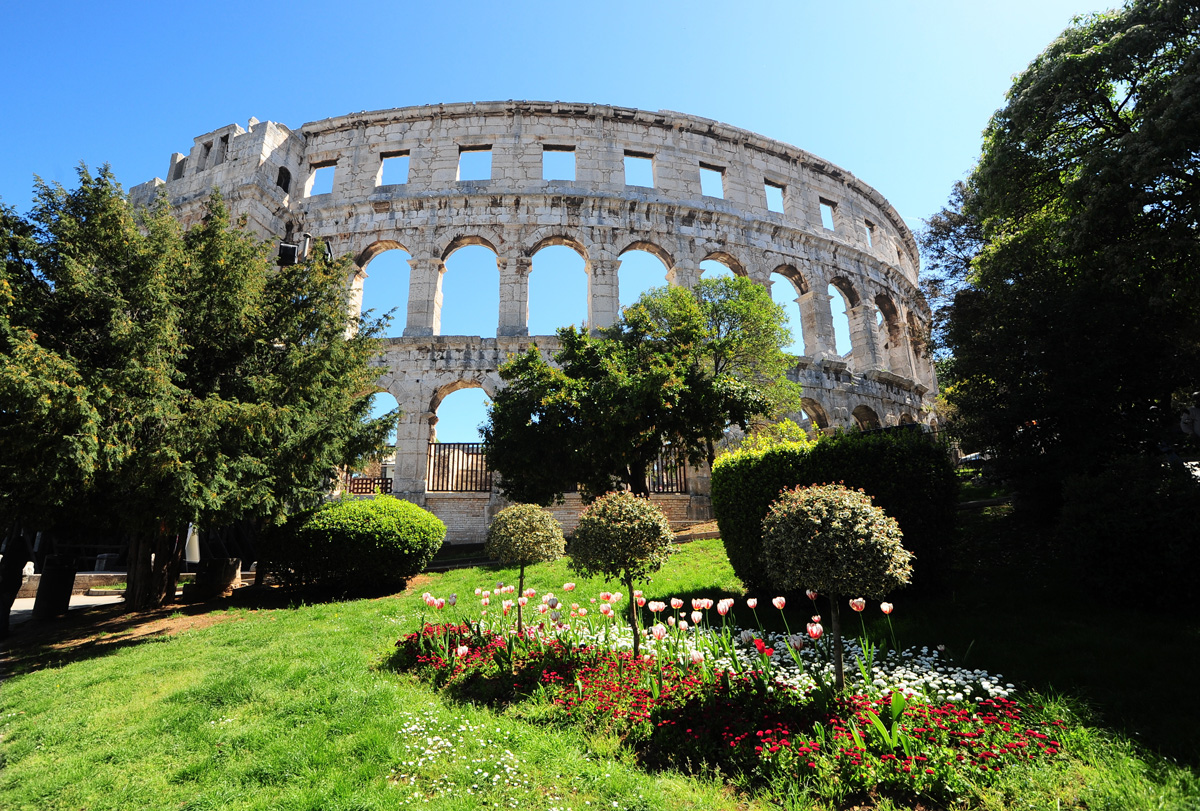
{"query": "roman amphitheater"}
pixel 682 188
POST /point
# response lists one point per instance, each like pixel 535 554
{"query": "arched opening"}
pixel 386 287
pixel 787 285
pixel 713 269
pixel 640 270
pixel 470 290
pixel 376 476
pixel 558 290
pixel 891 329
pixel 842 300
pixel 906 419
pixel 456 461
pixel 815 413
pixel 866 418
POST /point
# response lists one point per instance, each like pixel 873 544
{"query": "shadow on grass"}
pixel 89 633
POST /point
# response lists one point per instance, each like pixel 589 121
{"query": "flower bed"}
pixel 757 706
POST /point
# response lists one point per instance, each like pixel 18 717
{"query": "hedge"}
pixel 367 544
pixel 908 474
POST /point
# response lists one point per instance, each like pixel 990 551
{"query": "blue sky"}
pixel 895 92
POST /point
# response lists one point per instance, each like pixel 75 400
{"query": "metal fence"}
pixel 458 467
pixel 368 485
pixel 667 474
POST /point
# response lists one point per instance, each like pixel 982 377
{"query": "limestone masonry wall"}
pixel 266 172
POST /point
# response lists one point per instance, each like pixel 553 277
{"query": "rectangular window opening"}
pixel 222 151
pixel 869 230
pixel 712 181
pixel 639 169
pixel 322 178
pixel 393 169
pixel 205 151
pixel 180 168
pixel 474 163
pixel 827 214
pixel 774 196
pixel 558 162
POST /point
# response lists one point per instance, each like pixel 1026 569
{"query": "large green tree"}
pixel 1067 266
pixel 222 387
pixel 603 411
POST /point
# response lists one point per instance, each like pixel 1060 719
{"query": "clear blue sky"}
pixel 895 92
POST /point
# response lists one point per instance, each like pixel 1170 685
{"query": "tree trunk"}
pixel 17 552
pixel 149 583
pixel 839 675
pixel 633 625
pixel 637 483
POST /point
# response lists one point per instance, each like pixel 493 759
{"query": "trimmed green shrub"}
pixel 521 535
pixel 1132 531
pixel 622 537
pixel 833 540
pixel 369 544
pixel 909 475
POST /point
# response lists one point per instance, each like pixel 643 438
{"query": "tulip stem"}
pixel 839 676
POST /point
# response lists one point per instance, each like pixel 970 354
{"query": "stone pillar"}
pixel 514 295
pixel 816 322
pixel 603 303
pixel 424 297
pixel 683 275
pixel 412 453
pixel 864 337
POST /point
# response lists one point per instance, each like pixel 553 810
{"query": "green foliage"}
pixel 1132 531
pixel 621 536
pixel 1064 268
pixel 523 534
pixel 189 378
pixel 370 544
pixel 908 475
pixel 773 435
pixel 834 540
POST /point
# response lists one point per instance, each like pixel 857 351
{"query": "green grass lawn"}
pixel 293 708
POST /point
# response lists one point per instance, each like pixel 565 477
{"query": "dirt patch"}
pixel 698 531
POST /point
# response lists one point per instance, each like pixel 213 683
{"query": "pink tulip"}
pixel 543 608
pixel 486 601
pixel 707 603
pixel 462 650
pixel 568 586
pixel 487 594
pixel 811 594
pixel 858 603
pixel 752 602
pixel 637 592
pixel 885 608
pixel 522 601
pixel 683 626
pixel 657 606
pixel 659 632
pixel 815 630
pixel 722 608
pixel 508 604
pixel 605 596
pixel 641 601
pixel 779 602
pixel 617 597
pixel 676 603
pixel 583 612
pixel 671 621
pixel 439 603
pixel 697 603
pixel 478 591
pixel 606 610
pixel 697 657
pixel 697 616
pixel 530 593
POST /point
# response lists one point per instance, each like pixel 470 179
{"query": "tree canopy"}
pixel 194 381
pixel 677 369
pixel 1066 269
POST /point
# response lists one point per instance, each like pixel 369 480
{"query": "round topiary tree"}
pixel 625 538
pixel 368 543
pixel 835 541
pixel 520 535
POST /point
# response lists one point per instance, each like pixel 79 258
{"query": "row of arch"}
pixel 871 332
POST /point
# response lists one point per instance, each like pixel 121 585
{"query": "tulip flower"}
pixel 676 603
pixel 671 621
pixel 885 608
pixel 697 603
pixel 478 591
pixel 568 586
pixel 462 650
pixel 697 656
pixel 543 608
pixel 815 630
pixel 605 596
pixel 722 608
pixel 486 601
pixel 683 626
pixel 858 603
pixel 811 594
pixel 522 601
pixel 439 603
pixel 659 632
pixel 752 602
pixel 697 616
pixel 530 593
pixel 452 600
pixel 779 602
pixel 641 601
pixel 606 610
pixel 657 606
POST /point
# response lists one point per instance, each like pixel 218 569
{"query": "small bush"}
pixel 834 540
pixel 909 476
pixel 1133 531
pixel 372 544
pixel 523 534
pixel 622 537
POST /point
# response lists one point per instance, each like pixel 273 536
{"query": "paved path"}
pixel 22 610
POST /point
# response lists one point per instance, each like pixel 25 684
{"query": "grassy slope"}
pixel 289 709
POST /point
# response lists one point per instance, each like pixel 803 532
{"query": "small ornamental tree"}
pixel 835 541
pixel 520 535
pixel 625 538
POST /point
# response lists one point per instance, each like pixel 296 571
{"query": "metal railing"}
pixel 667 474
pixel 458 467
pixel 368 485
